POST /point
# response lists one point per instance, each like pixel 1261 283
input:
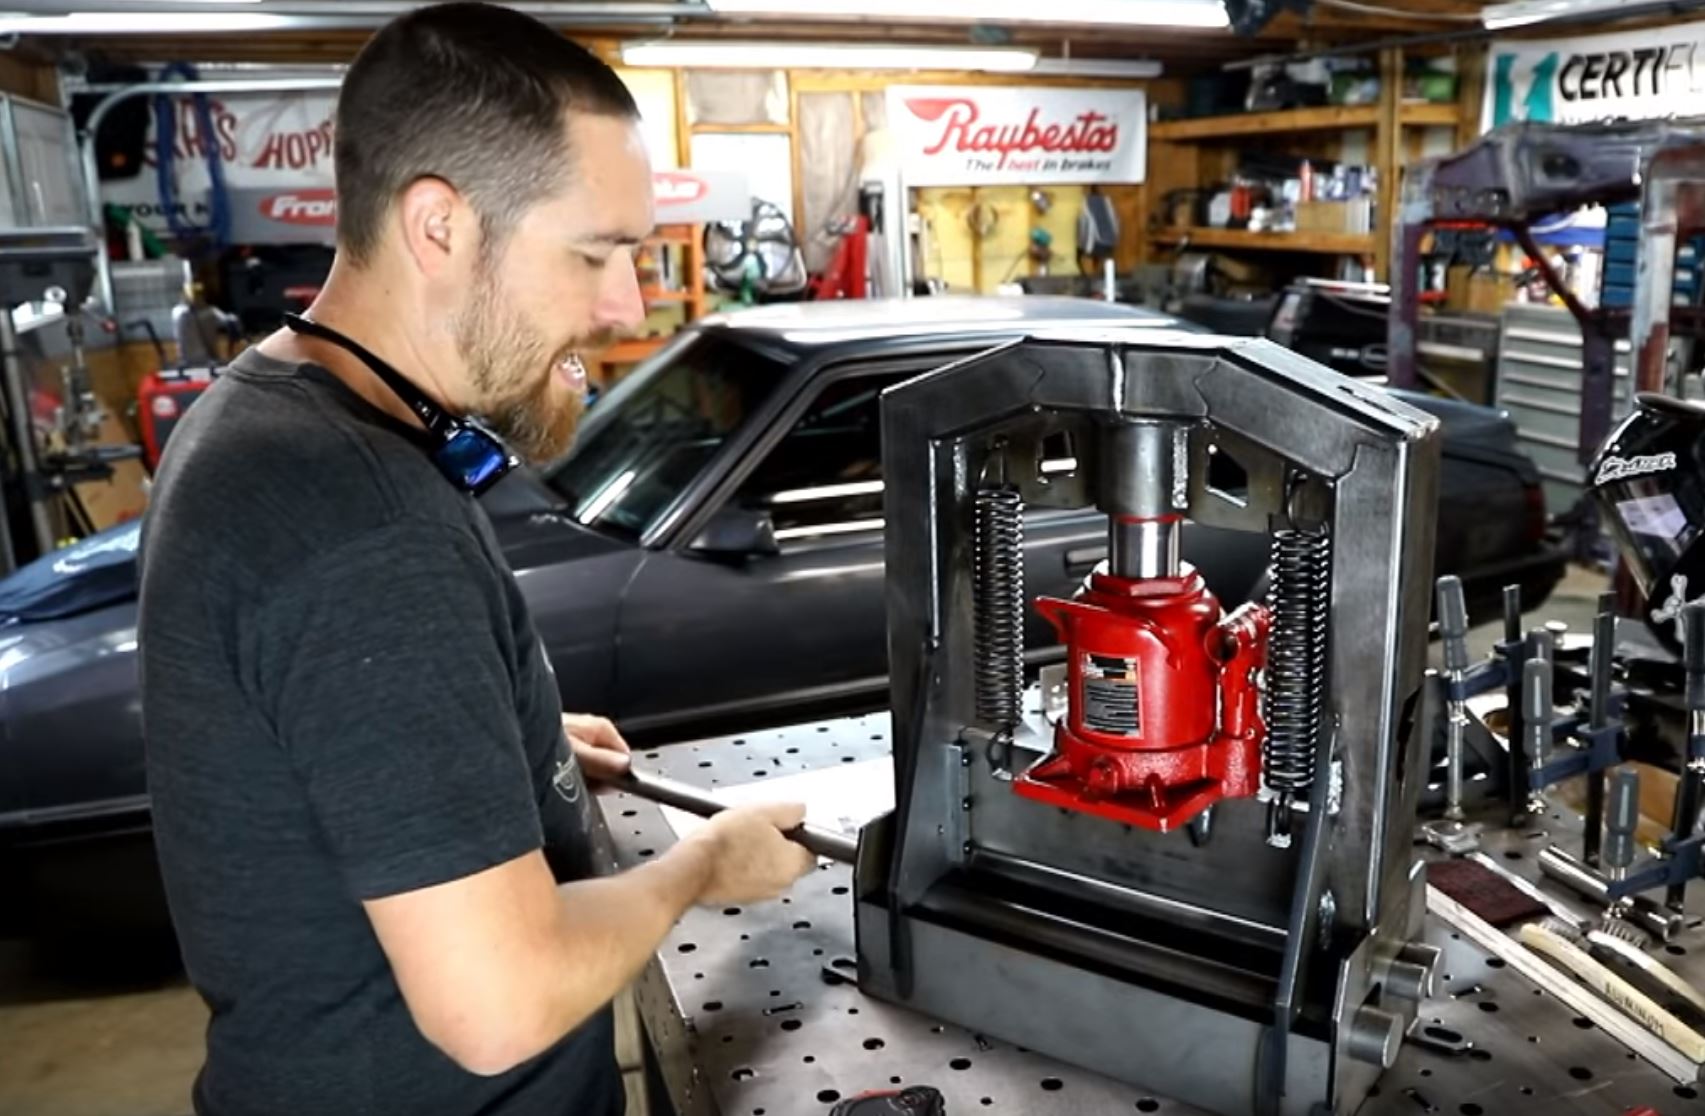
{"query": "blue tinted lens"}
pixel 471 460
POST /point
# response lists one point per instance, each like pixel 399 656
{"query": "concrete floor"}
pixel 114 1030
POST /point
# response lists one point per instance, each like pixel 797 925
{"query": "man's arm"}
pixel 497 966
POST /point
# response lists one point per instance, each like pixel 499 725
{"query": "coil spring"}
pixel 1296 657
pixel 998 605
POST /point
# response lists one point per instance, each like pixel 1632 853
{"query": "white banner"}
pixel 970 135
pixel 276 142
pixel 1639 75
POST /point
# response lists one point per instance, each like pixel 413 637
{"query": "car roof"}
pixel 814 325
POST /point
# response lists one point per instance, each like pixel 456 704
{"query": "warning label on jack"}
pixel 1110 701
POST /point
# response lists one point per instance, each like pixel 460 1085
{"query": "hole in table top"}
pixel 873 1044
pixel 685 947
pixel 647 852
pixel 809 1058
pixel 838 890
pixel 713 1005
pixel 731 911
pixel 895 1080
pixel 1495 962
pixel 1527 1090
pixel 960 1064
pixel 1512 854
pixel 759 773
pixel 1443 1034
pixel 1470 1109
pixel 1676 950
pixel 1052 1084
pixel 937 1029
pixel 986 1101
pixel 741 743
pixel 757 1112
pixel 852 1011
pixel 1687 1092
pixel 698 976
pixel 802 924
pixel 775 992
pixel 1488 1005
pixel 745 937
pixel 791 1024
pixel 727 1038
pixel 1583 1022
pixel 1480 1055
pixel 1533 1038
pixel 849 759
pixel 704 763
pixel 817 953
pixel 793 751
pixel 1148 1104
pixel 1425 1072
pixel 651 755
pixel 1580 1073
pixel 846 964
pixel 630 813
pixel 758 963
pixel 744 1073
pixel 828 1096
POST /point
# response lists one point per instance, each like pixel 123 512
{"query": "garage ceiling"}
pixel 329 30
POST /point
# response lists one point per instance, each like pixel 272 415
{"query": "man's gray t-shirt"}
pixel 343 698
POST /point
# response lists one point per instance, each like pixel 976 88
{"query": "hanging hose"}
pixel 165 141
pixel 1296 658
pixel 998 605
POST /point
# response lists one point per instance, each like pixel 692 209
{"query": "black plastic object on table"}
pixel 1649 479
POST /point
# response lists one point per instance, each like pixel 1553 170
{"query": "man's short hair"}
pixel 473 94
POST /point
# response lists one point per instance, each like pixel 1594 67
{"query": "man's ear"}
pixel 437 226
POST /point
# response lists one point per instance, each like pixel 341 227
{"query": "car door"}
pixel 710 635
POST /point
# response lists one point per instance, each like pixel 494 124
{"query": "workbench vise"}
pixel 1198 878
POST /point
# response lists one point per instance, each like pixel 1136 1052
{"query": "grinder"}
pixel 1164 716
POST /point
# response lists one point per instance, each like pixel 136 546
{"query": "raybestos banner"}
pixel 971 135
pixel 1638 75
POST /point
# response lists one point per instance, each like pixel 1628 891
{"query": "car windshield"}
pixel 652 434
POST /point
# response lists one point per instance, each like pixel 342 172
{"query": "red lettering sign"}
pixel 963 130
pixel 678 188
pixel 302 207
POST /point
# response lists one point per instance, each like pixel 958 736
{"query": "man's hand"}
pixel 749 858
pixel 598 746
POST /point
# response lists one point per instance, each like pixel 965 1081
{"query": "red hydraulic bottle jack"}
pixel 1164 715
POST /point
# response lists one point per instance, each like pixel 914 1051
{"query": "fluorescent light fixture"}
pixel 1499 17
pixel 141 23
pixel 1098 67
pixel 613 491
pixel 823 56
pixel 1111 13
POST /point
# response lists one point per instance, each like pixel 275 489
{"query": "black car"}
pixel 710 556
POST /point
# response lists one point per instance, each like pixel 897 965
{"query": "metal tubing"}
pixel 23 434
pixel 1517 765
pixel 668 792
pixel 1598 717
pixel 1453 631
pixel 1691 788
pixel 1144 548
pixel 1222 923
pixel 1140 469
pixel 1577 877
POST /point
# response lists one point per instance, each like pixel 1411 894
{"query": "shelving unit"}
pixel 1199 152
pixel 604 366
pixel 1336 244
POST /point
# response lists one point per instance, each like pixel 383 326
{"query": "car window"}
pixel 653 435
pixel 824 477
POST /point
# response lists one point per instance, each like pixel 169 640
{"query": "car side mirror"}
pixel 736 532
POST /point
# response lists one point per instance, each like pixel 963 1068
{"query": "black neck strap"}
pixel 437 420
